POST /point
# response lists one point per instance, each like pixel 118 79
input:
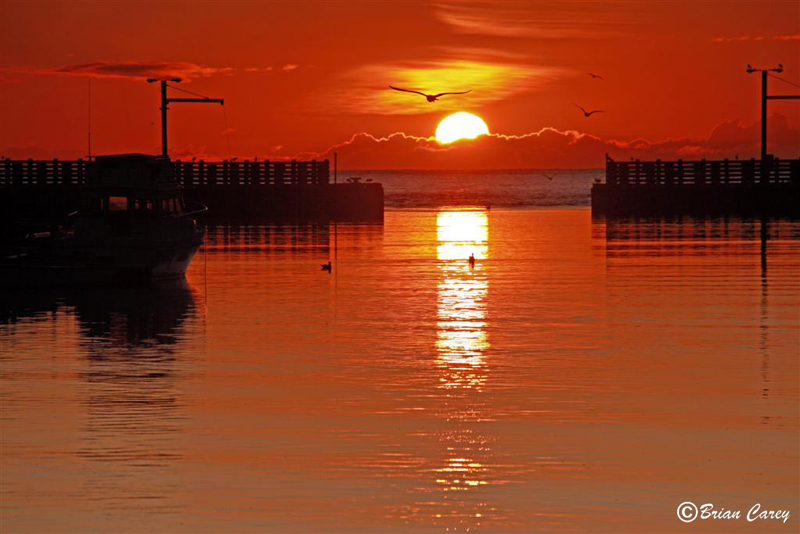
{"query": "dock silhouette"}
pixel 704 187
pixel 245 191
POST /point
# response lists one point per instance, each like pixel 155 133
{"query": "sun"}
pixel 461 125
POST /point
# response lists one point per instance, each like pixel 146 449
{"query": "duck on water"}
pixel 132 224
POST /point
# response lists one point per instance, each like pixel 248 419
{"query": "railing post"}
pixel 612 173
pixel 699 172
pixel 726 172
pixel 749 171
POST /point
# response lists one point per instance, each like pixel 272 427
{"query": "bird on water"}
pixel 327 267
pixel 430 98
pixel 588 113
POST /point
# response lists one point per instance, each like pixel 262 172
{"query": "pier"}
pixel 755 187
pixel 241 191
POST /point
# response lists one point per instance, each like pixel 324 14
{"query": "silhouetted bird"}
pixel 588 113
pixel 234 159
pixel 368 180
pixel 472 260
pixel 194 158
pixel 327 267
pixel 430 98
pixel 595 76
pixel 549 177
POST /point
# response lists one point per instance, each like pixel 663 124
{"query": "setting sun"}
pixel 461 125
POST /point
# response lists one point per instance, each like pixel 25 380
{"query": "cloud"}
pixel 258 69
pixel 568 19
pixel 289 68
pixel 135 70
pixel 743 38
pixel 551 148
pixel 490 81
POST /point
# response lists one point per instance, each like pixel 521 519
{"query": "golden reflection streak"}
pixel 462 298
pixel 461 356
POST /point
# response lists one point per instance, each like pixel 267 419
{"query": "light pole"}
pixel 764 99
pixel 165 105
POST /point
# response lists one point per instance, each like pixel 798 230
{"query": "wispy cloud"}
pixel 567 19
pixel 743 38
pixel 290 67
pixel 133 70
pixel 490 81
pixel 258 69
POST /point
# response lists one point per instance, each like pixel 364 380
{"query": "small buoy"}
pixel 327 267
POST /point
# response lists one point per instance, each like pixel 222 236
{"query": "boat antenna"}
pixel 89 117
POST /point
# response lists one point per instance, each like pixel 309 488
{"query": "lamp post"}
pixel 764 98
pixel 165 101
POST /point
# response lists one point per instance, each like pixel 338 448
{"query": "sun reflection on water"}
pixel 461 347
pixel 461 335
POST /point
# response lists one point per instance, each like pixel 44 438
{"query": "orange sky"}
pixel 302 77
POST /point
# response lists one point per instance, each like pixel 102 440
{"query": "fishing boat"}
pixel 133 224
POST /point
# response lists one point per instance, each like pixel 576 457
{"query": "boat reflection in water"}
pixel 461 348
pixel 124 428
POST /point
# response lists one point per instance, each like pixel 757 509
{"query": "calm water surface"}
pixel 585 376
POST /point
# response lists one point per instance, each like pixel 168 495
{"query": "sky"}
pixel 306 79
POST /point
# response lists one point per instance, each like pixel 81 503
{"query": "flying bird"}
pixel 593 75
pixel 548 176
pixel 588 113
pixel 430 98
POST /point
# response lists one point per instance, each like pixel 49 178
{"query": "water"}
pixel 505 189
pixel 585 376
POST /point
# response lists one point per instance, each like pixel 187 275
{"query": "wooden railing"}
pixel 188 173
pixel 703 172
pixel 251 173
pixel 45 172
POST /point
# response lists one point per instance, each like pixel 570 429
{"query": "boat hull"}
pixel 71 263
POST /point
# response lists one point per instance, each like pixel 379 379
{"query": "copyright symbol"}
pixel 687 512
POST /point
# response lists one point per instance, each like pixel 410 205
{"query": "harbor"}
pixel 400 267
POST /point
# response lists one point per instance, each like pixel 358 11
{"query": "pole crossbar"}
pixel 165 101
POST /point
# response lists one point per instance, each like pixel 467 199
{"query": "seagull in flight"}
pixel 548 176
pixel 593 75
pixel 588 113
pixel 430 98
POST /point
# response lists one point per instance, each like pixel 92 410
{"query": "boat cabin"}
pixel 132 185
